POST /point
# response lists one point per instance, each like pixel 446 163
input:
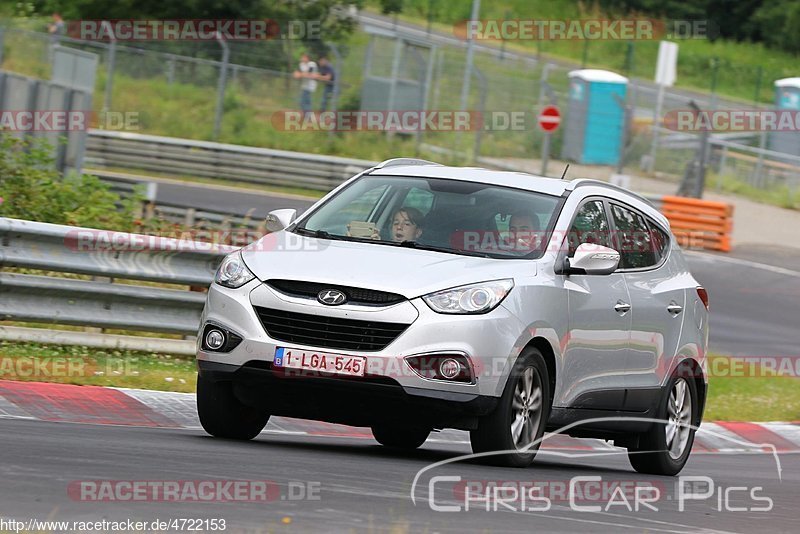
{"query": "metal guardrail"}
pixel 185 157
pixel 104 254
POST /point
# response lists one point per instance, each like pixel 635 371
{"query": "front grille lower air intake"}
pixel 328 332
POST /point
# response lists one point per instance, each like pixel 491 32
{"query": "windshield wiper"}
pixel 320 234
pixel 420 246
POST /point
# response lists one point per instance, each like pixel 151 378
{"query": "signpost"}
pixel 549 120
pixel 666 69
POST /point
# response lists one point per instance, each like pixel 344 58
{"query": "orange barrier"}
pixel 699 223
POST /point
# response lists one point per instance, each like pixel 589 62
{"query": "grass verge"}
pixel 96 367
pixel 753 398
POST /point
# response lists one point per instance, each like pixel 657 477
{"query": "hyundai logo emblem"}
pixel 331 297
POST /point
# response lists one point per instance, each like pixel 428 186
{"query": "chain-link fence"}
pixel 198 91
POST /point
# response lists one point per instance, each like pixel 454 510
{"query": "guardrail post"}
pixel 170 69
pixel 226 231
pixel 223 74
pixel 723 163
pixel 482 106
pixel 94 329
pixel 762 143
pixel 651 162
pixel 112 53
pixel 149 207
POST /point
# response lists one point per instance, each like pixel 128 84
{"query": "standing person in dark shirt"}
pixel 328 78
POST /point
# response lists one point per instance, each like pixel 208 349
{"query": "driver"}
pixel 523 232
pixel 406 225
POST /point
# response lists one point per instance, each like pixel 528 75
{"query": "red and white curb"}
pixel 144 408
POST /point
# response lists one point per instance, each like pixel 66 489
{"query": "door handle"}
pixel 622 307
pixel 674 308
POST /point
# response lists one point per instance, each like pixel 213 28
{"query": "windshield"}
pixel 438 214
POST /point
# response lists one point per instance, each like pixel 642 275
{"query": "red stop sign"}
pixel 549 118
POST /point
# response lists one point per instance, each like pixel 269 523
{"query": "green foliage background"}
pixel 32 189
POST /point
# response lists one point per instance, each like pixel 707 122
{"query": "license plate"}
pixel 322 362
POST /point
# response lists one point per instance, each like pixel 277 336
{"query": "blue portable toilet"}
pixel 595 121
pixel 787 97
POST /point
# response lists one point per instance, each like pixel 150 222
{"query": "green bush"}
pixel 32 189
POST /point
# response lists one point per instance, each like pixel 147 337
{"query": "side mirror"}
pixel 277 220
pixel 593 259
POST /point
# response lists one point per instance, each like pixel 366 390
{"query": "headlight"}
pixel 474 298
pixel 233 272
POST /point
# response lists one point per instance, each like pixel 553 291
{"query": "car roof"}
pixel 519 180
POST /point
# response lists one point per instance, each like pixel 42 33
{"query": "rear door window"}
pixel 660 240
pixel 633 239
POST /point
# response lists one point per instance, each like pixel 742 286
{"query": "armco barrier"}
pixel 104 256
pixel 171 156
pixel 700 223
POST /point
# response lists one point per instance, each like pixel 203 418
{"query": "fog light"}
pixel 449 368
pixel 215 339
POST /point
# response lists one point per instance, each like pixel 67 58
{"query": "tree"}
pixel 391 7
pixel 778 22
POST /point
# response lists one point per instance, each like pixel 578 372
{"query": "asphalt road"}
pixel 235 201
pixel 754 306
pixel 357 485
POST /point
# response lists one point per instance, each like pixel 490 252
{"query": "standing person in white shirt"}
pixel 307 71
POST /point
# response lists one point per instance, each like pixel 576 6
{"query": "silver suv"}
pixel 417 297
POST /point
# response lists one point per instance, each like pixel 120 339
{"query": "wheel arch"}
pixel 546 349
pixel 690 369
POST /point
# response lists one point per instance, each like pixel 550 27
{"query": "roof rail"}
pixel 398 162
pixel 590 181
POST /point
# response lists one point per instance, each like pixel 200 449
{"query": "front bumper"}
pixel 487 340
pixel 347 400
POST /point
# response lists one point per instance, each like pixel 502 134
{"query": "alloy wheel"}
pixel 526 408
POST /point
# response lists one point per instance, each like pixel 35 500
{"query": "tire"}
pixel 495 433
pixel 656 453
pixel 398 437
pixel 222 415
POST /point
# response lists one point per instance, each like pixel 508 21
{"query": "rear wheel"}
pixel 398 437
pixel 518 422
pixel 223 415
pixel 665 448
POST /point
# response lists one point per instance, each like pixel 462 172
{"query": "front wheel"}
pixel 222 415
pixel 517 424
pixel 398 437
pixel 665 448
